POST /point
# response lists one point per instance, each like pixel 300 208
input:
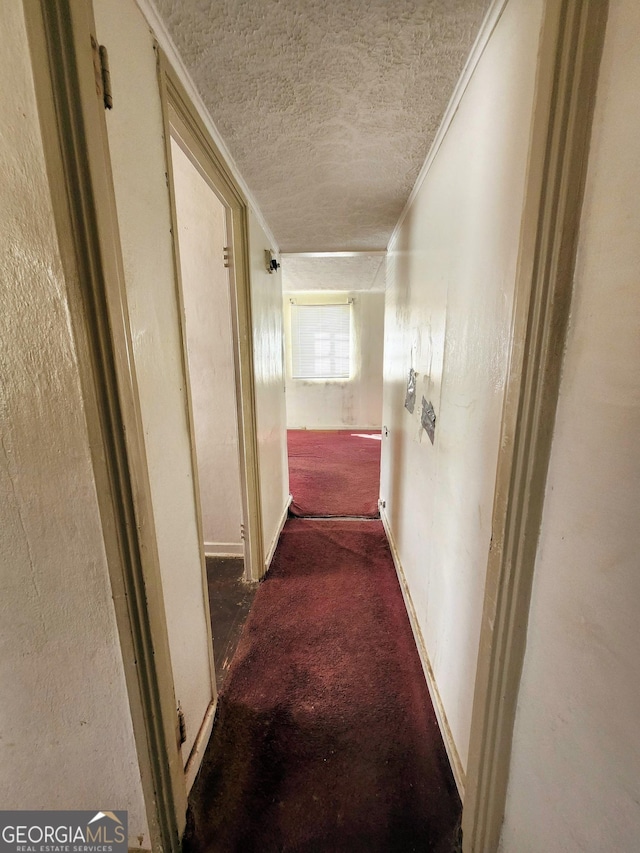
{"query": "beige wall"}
pixel 266 311
pixel 575 771
pixel 340 404
pixel 67 738
pixel 136 143
pixel 450 283
pixel 138 161
pixel 205 285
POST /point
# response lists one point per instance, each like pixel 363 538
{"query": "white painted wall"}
pixel 338 403
pixel 266 312
pixel 205 285
pixel 450 282
pixel 575 771
pixel 66 732
pixel 135 139
pixel 138 160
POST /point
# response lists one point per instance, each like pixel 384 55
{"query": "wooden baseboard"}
pixel 200 744
pixel 274 541
pixel 441 716
pixel 224 549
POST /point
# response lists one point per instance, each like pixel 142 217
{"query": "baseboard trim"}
pixel 200 744
pixel 441 716
pixel 274 541
pixel 224 549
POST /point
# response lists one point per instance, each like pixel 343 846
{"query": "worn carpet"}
pixel 230 599
pixel 334 473
pixel 325 738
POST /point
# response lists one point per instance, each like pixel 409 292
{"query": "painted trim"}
pixel 438 705
pixel 486 31
pixel 183 122
pixel 569 58
pixel 161 33
pixel 186 374
pixel 276 537
pixel 224 549
pixel 199 745
pixel 83 200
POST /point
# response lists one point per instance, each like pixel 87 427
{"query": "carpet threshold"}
pixel 336 517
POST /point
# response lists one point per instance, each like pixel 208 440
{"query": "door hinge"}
pixel 226 257
pixel 101 73
pixel 182 727
pixel 242 532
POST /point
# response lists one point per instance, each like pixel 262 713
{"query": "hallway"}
pixel 325 738
pixel 334 473
pixel 448 193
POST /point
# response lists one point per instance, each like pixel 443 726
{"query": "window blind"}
pixel 321 341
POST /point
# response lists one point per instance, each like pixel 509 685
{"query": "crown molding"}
pixel 486 31
pixel 162 36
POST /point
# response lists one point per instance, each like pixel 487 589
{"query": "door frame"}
pixel 71 113
pixel 180 115
pixel 571 45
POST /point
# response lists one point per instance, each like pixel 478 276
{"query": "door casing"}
pixel 569 57
pixel 181 120
pixel 78 164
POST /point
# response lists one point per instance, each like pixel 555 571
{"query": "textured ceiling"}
pixel 328 107
pixel 362 272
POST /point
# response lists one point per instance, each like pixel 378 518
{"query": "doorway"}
pixel 208 329
pixel 201 219
pixel 208 217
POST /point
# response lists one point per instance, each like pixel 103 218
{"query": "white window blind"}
pixel 321 341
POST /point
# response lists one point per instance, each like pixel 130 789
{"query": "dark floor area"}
pixel 325 739
pixel 230 599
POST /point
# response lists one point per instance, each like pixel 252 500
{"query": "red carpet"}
pixel 325 738
pixel 334 473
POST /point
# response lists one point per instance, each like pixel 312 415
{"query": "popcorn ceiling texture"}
pixel 362 272
pixel 328 108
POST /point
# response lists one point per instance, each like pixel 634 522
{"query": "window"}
pixel 321 341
